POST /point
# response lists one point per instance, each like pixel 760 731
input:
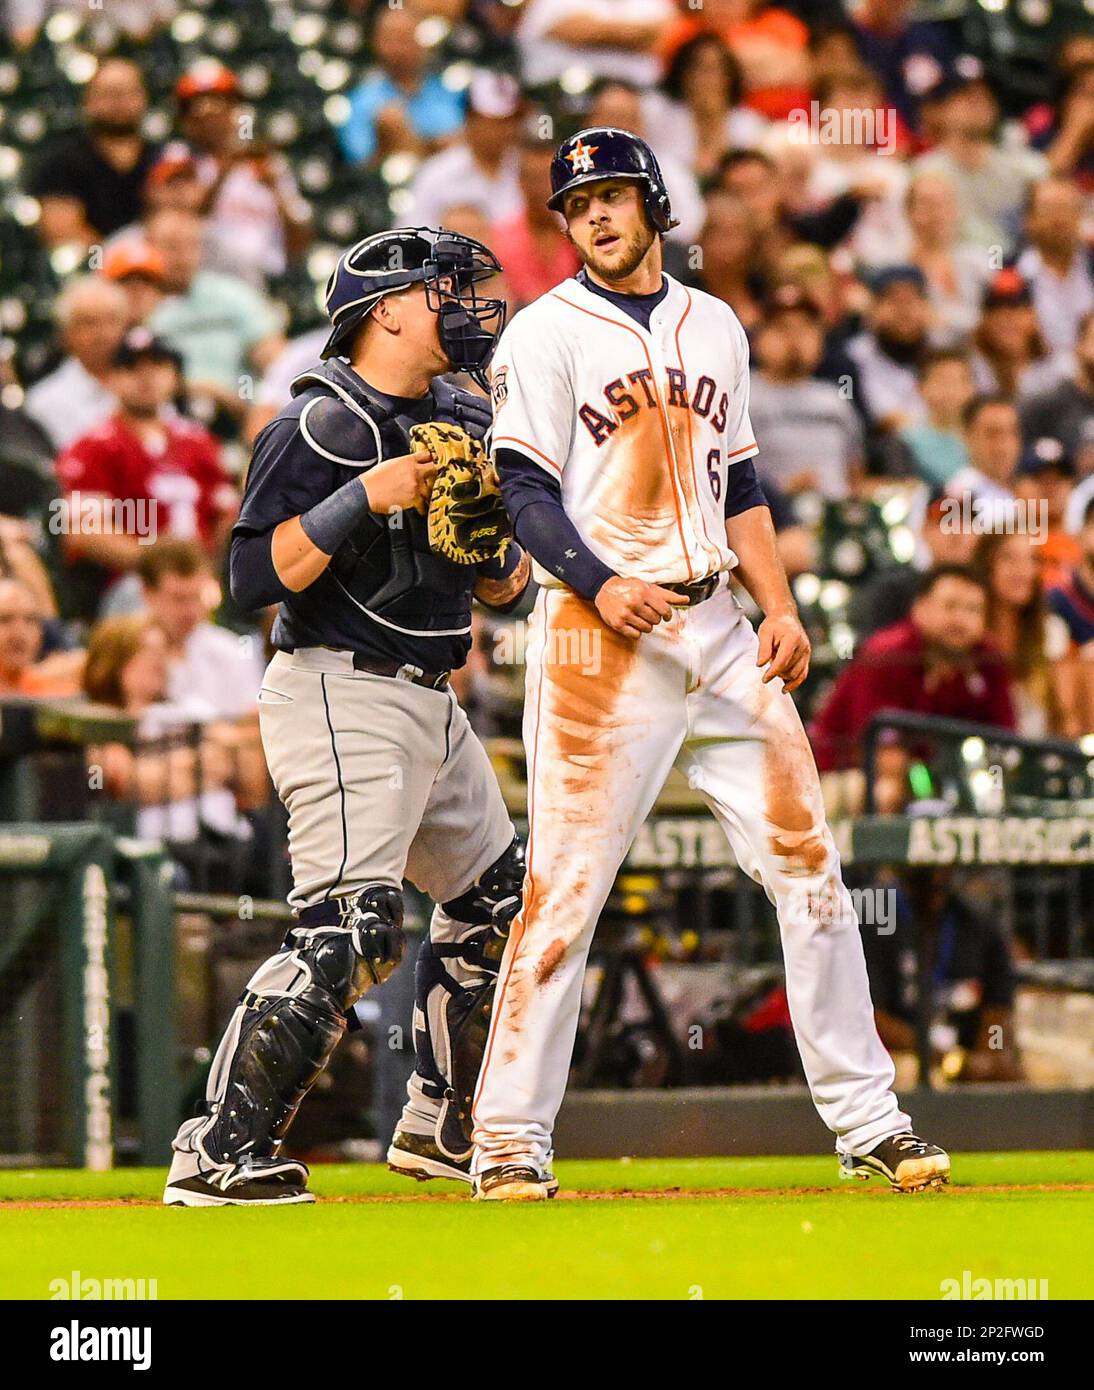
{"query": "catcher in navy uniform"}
pixel 372 517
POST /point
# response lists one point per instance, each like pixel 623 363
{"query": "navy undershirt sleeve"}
pixel 743 491
pixel 251 574
pixel 540 523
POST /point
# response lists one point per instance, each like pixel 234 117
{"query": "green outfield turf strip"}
pixel 743 1228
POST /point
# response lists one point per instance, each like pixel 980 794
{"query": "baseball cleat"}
pixel 258 1192
pixel 268 1183
pixel 419 1156
pixel 908 1163
pixel 513 1182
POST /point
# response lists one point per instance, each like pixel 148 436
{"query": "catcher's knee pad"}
pixel 455 981
pixel 291 1017
pixel 495 893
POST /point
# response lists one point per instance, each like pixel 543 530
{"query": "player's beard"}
pixel 634 249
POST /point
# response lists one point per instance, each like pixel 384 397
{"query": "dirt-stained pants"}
pixel 605 719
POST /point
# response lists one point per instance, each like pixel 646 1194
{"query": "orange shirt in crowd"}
pixel 771 28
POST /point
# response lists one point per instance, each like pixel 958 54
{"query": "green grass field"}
pixel 647 1228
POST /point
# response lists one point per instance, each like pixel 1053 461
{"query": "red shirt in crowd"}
pixel 185 479
pixel 890 672
pixel 528 272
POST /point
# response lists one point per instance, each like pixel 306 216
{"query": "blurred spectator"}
pixel 1009 353
pixel 209 668
pixel 727 250
pixel 1073 603
pixel 136 19
pixel 19 559
pixel 955 274
pixel 1046 478
pixel 1064 129
pixel 1031 639
pixel 696 113
pixel 755 178
pixel 257 219
pixel 22 671
pixel 146 472
pixel 910 57
pixel 275 388
pixel 75 397
pixel 222 327
pixel 139 270
pixel 482 167
pixel 833 47
pixel 994 444
pixel 867 171
pixel 937 662
pixel 812 435
pixel 89 182
pixel 889 596
pixel 532 245
pixel 769 43
pixel 937 442
pixel 966 965
pixel 399 105
pixel 618 103
pixel 887 355
pixel 1058 263
pixel 1065 410
pixel 180 776
pixel 603 38
pixel 840 297
pixel 991 181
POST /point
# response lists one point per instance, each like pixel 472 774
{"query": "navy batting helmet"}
pixel 604 152
pixel 448 264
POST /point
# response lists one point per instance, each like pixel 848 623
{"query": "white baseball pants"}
pixel 605 719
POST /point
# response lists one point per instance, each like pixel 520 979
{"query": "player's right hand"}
pixel 632 607
pixel 400 484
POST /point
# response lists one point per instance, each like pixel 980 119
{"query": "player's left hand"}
pixel 784 649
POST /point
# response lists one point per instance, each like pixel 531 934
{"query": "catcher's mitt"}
pixel 466 519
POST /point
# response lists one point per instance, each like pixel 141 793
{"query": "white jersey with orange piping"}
pixel 639 428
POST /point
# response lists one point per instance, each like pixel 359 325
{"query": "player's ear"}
pixel 385 312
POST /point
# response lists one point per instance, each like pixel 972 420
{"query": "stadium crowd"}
pixel 900 215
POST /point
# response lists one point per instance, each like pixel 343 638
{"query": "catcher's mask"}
pixel 448 264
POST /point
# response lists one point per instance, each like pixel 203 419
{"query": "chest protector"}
pixel 386 566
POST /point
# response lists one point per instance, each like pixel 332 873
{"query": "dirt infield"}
pixel 877 1188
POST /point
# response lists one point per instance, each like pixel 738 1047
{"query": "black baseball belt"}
pixel 699 592
pixel 400 671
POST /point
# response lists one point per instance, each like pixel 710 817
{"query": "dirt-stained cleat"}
pixel 419 1156
pixel 513 1182
pixel 277 1183
pixel 908 1163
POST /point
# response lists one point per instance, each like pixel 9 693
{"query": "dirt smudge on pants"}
pixel 793 804
pixel 551 959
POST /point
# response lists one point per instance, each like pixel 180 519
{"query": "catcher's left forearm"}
pixel 751 537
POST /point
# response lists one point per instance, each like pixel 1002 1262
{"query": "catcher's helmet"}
pixel 605 152
pixel 448 264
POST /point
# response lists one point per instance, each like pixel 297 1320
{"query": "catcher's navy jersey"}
pixel 385 593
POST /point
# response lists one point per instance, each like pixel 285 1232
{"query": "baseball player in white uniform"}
pixel 623 442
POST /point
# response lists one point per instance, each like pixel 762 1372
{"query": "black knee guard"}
pixel 461 1011
pixel 495 893
pixel 291 1017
